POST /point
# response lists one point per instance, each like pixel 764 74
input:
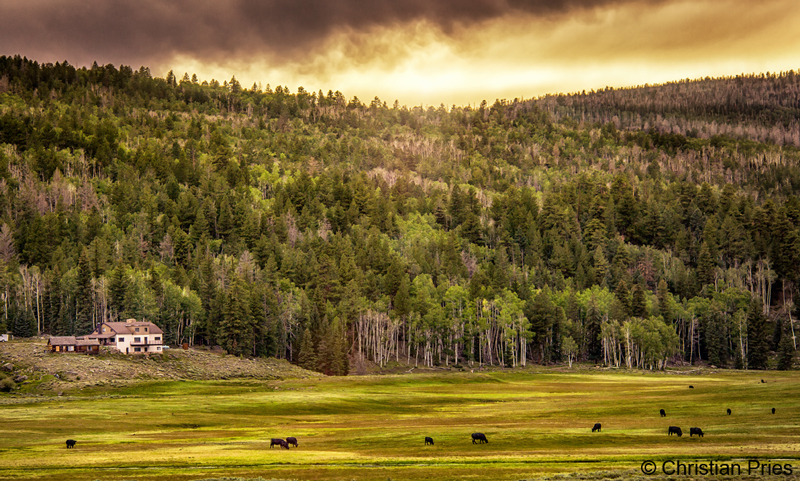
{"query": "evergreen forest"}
pixel 635 228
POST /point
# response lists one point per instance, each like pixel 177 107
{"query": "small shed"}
pixel 73 344
pixel 61 344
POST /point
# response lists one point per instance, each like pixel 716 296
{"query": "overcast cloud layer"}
pixel 148 30
pixel 451 51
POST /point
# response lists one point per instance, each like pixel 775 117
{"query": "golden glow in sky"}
pixel 447 52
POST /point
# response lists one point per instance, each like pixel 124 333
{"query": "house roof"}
pixel 62 341
pixel 104 335
pixel 87 342
pixel 125 328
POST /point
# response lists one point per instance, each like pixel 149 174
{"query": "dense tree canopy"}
pixel 627 227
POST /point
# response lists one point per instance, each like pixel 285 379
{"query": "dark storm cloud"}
pixel 149 31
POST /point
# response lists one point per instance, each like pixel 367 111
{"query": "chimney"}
pixel 130 321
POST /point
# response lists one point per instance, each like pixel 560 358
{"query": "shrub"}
pixel 7 384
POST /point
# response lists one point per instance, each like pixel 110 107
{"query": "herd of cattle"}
pixel 480 437
pixel 675 429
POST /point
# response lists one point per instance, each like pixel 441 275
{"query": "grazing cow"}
pixel 596 427
pixel 291 440
pixel 675 430
pixel 663 413
pixel 428 441
pixel 71 443
pixel 691 387
pixel 773 410
pixel 763 382
pixel 279 442
pixel 693 431
pixel 729 411
pixel 480 437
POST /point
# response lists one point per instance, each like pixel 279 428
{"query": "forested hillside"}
pixel 630 227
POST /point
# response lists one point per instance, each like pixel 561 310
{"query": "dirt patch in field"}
pixel 41 371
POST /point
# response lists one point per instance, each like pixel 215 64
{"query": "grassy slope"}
pixel 49 373
pixel 538 423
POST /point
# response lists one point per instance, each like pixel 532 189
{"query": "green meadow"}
pixel 538 423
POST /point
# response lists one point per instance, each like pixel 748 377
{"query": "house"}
pixel 73 344
pixel 129 337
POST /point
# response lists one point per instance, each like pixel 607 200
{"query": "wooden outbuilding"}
pixel 73 344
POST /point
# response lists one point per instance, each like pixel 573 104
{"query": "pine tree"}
pixel 593 325
pixel 757 342
pixel 394 276
pixel 225 226
pixel 471 229
pixel 638 302
pixel 600 267
pixel 457 207
pixel 541 312
pixel 83 318
pixel 653 227
pixel 333 349
pixel 786 354
pixel 307 358
pixel 116 289
pixel 508 355
pixel 705 266
pixel 340 362
pixel 236 327
pixel 664 307
pixel 714 341
pixel 623 295
pixel 221 151
pixel 199 229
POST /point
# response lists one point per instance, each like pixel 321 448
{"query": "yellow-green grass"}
pixel 538 423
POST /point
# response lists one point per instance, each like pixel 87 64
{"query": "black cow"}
pixel 291 440
pixel 663 413
pixel 480 437
pixel 773 410
pixel 691 387
pixel 675 430
pixel 763 381
pixel 428 441
pixel 729 411
pixel 596 427
pixel 693 431
pixel 279 442
pixel 71 443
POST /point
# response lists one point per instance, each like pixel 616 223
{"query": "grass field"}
pixel 538 423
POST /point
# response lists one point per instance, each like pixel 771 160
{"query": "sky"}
pixel 419 52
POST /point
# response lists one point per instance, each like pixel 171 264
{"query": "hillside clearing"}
pixel 63 372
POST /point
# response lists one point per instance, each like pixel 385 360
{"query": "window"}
pixel 137 339
pixel 158 348
pixel 137 329
pixel 157 338
pixel 145 329
pixel 120 339
pixel 112 340
pixel 137 349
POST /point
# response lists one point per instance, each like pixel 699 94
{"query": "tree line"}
pixel 325 231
